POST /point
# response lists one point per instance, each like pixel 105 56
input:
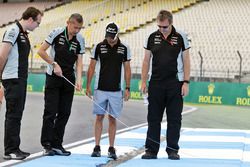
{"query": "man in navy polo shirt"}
pixel 167 50
pixel 14 54
pixel 67 47
pixel 111 61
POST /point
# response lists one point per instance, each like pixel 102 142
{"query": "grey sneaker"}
pixel 17 155
pixel 149 155
pixel 173 155
pixel 96 152
pixel 61 151
pixel 47 151
pixel 24 153
pixel 111 153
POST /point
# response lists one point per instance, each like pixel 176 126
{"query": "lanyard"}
pixel 67 40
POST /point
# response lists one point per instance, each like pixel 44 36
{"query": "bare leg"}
pixel 112 130
pixel 98 128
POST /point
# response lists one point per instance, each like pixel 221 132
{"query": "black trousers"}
pixel 160 98
pixel 15 96
pixel 58 101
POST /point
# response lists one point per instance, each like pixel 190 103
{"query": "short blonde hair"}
pixel 163 15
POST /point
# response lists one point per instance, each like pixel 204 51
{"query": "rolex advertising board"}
pixel 199 92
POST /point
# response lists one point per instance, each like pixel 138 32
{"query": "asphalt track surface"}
pixel 80 125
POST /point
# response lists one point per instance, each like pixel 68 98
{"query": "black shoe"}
pixel 47 151
pixel 25 153
pixel 173 155
pixel 111 153
pixel 61 151
pixel 149 155
pixel 96 152
pixel 17 155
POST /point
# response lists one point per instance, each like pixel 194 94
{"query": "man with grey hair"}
pixel 167 49
pixel 67 48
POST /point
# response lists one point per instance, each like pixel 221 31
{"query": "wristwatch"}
pixel 186 81
pixel 54 63
pixel 127 88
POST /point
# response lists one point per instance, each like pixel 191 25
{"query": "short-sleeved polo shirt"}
pixel 109 67
pixel 65 52
pixel 167 55
pixel 17 62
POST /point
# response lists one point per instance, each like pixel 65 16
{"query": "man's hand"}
pixel 184 89
pixel 144 87
pixel 88 92
pixel 79 86
pixel 57 70
pixel 127 94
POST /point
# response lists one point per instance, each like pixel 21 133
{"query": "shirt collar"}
pixel 21 28
pixel 106 42
pixel 173 31
pixel 67 35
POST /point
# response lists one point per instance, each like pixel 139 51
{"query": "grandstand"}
pixel 8 17
pixel 217 29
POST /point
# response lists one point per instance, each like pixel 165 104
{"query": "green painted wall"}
pixel 200 92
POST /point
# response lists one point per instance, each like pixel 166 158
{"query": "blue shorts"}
pixel 112 102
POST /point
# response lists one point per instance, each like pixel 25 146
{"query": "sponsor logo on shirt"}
pixel 22 37
pixel 10 36
pixel 104 49
pixel 157 40
pixel 121 50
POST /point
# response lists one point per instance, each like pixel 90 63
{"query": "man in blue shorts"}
pixel 110 61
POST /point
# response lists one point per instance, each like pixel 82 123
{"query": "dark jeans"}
pixel 58 101
pixel 160 98
pixel 15 96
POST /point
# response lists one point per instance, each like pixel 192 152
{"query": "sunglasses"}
pixel 165 27
pixel 38 23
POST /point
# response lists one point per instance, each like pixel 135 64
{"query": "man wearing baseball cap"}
pixel 110 61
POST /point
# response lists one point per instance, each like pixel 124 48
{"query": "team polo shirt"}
pixel 109 67
pixel 167 55
pixel 65 52
pixel 17 62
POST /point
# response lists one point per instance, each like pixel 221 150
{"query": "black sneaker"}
pixel 173 155
pixel 96 152
pixel 47 151
pixel 25 153
pixel 18 155
pixel 111 153
pixel 61 151
pixel 149 155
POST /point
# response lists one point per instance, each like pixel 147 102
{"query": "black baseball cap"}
pixel 111 30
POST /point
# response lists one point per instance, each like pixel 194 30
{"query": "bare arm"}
pixel 79 67
pixel 127 78
pixel 90 74
pixel 1 95
pixel 43 54
pixel 145 69
pixel 186 62
pixel 4 52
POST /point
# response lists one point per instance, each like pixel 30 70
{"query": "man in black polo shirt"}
pixel 167 51
pixel 111 61
pixel 67 48
pixel 14 54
